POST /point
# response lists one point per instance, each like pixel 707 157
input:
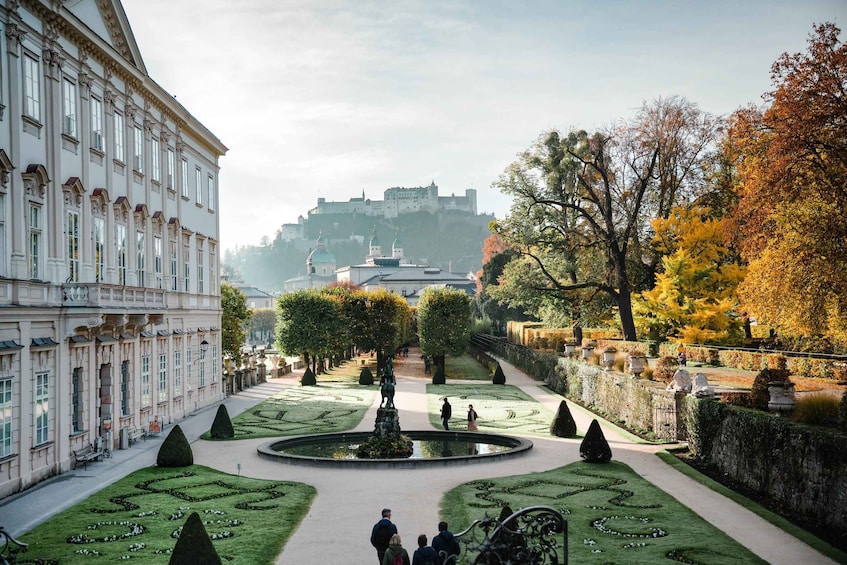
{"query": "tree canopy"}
pixel 444 322
pixel 234 317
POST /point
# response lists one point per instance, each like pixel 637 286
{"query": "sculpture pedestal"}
pixel 387 422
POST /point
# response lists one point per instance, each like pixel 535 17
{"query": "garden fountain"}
pixel 386 446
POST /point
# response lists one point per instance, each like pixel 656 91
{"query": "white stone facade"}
pixel 109 251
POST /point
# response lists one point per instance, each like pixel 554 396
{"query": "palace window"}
pixel 5 417
pixel 69 108
pixel 174 260
pixel 163 377
pixel 155 171
pixel 157 260
pixel 210 188
pixel 2 234
pixel 35 241
pixel 145 381
pixel 42 408
pixel 198 185
pixel 99 229
pixel 171 167
pixel 140 258
pixel 124 388
pixel 76 400
pixel 96 108
pixel 32 88
pixel 119 137
pixel 177 368
pixel 200 272
pixel 138 149
pixel 185 178
pixel 120 243
pixel 73 245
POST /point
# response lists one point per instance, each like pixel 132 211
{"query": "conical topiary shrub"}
pixel 366 377
pixel 194 547
pixel 308 378
pixel 175 450
pixel 759 395
pixel 563 424
pixel 222 425
pixel 594 447
pixel 439 377
pixel 499 376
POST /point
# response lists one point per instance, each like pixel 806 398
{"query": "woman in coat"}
pixel 472 416
pixel 395 548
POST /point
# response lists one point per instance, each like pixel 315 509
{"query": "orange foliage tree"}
pixel 792 173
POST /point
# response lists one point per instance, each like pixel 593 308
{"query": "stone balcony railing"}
pixel 98 295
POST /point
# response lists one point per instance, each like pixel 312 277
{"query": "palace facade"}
pixel 109 220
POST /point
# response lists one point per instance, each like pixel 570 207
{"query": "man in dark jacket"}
pixel 381 534
pixel 446 413
pixel 445 544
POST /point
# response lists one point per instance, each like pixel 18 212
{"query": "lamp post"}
pixel 204 347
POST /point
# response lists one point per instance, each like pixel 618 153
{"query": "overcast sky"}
pixel 330 98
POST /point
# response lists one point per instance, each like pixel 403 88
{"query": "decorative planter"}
pixel 609 357
pixel 782 398
pixel 637 364
pixel 587 352
pixel 569 349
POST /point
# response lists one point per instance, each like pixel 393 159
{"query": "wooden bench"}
pixel 87 454
pixel 134 434
pixel 10 548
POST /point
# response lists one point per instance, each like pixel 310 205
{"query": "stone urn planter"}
pixel 587 352
pixel 637 363
pixel 569 349
pixel 782 398
pixel 609 355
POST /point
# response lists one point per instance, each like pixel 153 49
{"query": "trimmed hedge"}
pixel 499 377
pixel 194 547
pixel 563 425
pixel 366 377
pixel 175 450
pixel 222 425
pixel 594 447
pixel 308 378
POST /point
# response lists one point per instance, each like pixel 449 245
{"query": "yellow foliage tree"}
pixel 694 296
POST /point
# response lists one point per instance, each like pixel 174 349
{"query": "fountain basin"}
pixel 432 449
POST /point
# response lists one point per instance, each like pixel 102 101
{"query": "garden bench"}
pixel 10 548
pixel 530 535
pixel 134 434
pixel 87 454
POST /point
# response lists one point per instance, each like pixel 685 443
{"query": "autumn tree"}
pixel 234 317
pixel 694 297
pixel 582 202
pixel 444 323
pixel 792 184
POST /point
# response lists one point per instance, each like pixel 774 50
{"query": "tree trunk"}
pixel 623 300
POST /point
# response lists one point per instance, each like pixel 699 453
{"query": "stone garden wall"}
pixel 802 469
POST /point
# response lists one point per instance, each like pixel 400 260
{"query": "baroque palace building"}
pixel 109 219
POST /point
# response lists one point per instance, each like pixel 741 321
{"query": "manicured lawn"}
pixel 465 367
pixel 328 407
pixel 501 408
pixel 139 517
pixel 614 515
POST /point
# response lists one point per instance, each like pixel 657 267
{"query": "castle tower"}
pixel 397 247
pixel 374 249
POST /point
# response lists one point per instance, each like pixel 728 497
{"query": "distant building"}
pixel 256 298
pixel 401 200
pixel 320 269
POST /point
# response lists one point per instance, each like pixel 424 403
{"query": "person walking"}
pixel 396 554
pixel 424 554
pixel 472 416
pixel 382 533
pixel 446 413
pixel 445 545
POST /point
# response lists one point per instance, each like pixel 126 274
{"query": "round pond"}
pixel 431 448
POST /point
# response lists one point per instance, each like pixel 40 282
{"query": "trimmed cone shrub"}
pixel 194 547
pixel 499 376
pixel 439 378
pixel 759 395
pixel 175 450
pixel 308 378
pixel 563 424
pixel 222 426
pixel 366 377
pixel 594 447
pixel 842 412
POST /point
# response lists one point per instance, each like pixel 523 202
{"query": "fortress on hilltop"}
pixel 401 200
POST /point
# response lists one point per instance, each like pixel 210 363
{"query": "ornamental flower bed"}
pixel 140 517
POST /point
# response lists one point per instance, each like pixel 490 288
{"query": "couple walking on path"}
pixel 447 413
pixel 390 550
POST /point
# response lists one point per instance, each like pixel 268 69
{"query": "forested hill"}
pixel 449 240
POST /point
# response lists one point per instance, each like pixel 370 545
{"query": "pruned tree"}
pixel 444 322
pixel 234 317
pixel 308 324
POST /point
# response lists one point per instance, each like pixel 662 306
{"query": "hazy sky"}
pixel 329 98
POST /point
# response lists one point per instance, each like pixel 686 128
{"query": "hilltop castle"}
pixel 401 200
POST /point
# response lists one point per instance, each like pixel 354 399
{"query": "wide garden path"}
pixel 348 503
